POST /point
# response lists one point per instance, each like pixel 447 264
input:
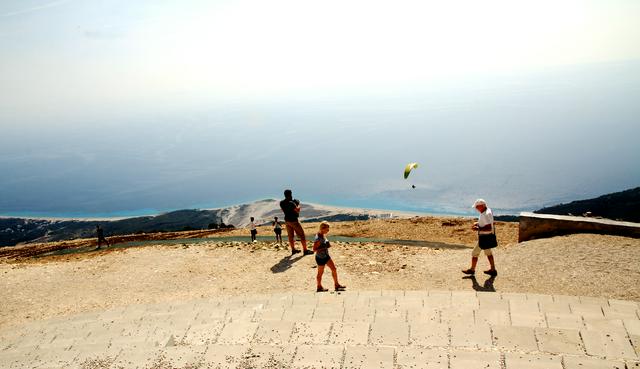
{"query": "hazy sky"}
pixel 108 107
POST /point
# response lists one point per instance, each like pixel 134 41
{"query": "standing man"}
pixel 100 234
pixel 291 209
pixel 486 238
pixel 254 230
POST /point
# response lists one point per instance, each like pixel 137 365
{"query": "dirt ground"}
pixel 585 265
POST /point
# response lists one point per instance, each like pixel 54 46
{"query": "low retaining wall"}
pixel 546 225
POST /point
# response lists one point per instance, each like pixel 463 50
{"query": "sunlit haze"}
pixel 131 107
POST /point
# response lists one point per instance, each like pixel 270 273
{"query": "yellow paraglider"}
pixel 409 168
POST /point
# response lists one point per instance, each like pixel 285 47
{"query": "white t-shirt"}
pixel 253 226
pixel 485 219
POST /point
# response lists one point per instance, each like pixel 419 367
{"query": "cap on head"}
pixel 479 202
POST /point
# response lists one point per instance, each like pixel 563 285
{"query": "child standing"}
pixel 277 229
pixel 321 248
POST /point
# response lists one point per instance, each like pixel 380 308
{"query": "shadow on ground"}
pixel 285 264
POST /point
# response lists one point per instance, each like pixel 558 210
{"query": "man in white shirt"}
pixel 484 226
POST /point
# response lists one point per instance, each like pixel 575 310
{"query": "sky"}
pixel 120 107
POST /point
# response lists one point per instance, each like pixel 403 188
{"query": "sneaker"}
pixel 307 252
pixel 469 271
pixel 294 251
pixel 491 272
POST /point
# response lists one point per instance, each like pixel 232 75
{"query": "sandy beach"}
pixel 585 265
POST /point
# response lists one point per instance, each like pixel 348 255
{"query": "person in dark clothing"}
pixel 277 229
pixel 254 230
pixel 291 209
pixel 100 234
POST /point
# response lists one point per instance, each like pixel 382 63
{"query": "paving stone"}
pixel 275 313
pixel 622 305
pixel 311 333
pixel 539 298
pixel 492 317
pixel 137 357
pixel 383 301
pixel 566 298
pixel 424 315
pixel 369 357
pixel 328 314
pixel 209 316
pixel 408 303
pixel 633 364
pixel 390 313
pixel 572 362
pixel 318 356
pixel 416 294
pixel 421 358
pixel 465 300
pixel 183 356
pixel 635 342
pixel 280 301
pixel 267 356
pixel 92 353
pixel 610 345
pixel 201 334
pixel 240 315
pixel 362 314
pixel 594 300
pixel 528 319
pixel 564 321
pixel 559 341
pixel 524 306
pixel 429 334
pixel 514 338
pixel 502 305
pixel 458 315
pixel 559 307
pixel 520 361
pixel 356 333
pixel 588 311
pixel 476 335
pixel 474 360
pixel 389 333
pixel 224 356
pixel 298 313
pixel 512 296
pixel 237 333
pixel 273 333
pixel 632 326
pixel 489 297
pixel 619 313
pixel 605 325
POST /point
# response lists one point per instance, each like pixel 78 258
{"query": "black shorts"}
pixel 278 231
pixel 254 232
pixel 322 260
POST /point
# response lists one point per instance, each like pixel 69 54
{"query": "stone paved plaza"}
pixel 353 329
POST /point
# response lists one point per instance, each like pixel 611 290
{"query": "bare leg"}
pixel 474 262
pixel 319 276
pixel 492 262
pixel 304 244
pixel 334 273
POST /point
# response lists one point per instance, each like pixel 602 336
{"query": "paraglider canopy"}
pixel 409 168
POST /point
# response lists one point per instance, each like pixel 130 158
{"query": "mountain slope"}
pixel 624 205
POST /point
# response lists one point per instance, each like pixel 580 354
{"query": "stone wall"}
pixel 545 225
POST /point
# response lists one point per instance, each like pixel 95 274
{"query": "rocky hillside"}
pixel 623 205
pixel 18 230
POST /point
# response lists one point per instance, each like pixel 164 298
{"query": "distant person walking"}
pixel 100 235
pixel 321 246
pixel 486 238
pixel 291 209
pixel 277 229
pixel 254 230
